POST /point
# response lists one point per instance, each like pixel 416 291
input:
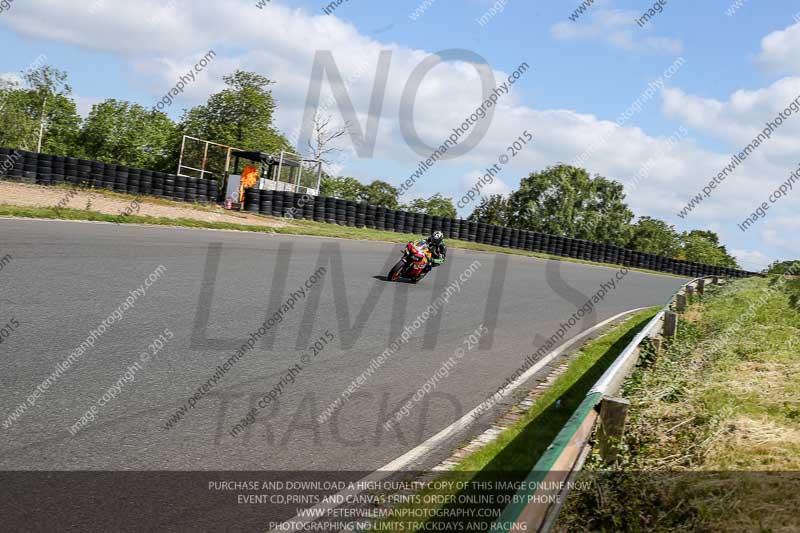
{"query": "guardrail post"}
pixel 701 286
pixel 670 324
pixel 612 427
pixel 680 303
pixel 656 343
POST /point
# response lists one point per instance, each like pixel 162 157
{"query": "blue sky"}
pixel 736 72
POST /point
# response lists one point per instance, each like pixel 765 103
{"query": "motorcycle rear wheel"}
pixel 394 273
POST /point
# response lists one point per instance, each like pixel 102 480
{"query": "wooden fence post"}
pixel 701 286
pixel 680 303
pixel 670 324
pixel 656 342
pixel 689 293
pixel 612 427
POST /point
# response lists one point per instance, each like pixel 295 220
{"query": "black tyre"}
pixel 397 269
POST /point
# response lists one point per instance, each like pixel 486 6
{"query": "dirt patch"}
pixel 693 313
pixel 757 444
pixel 99 201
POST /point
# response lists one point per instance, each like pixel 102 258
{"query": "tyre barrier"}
pixel 362 215
pixel 47 169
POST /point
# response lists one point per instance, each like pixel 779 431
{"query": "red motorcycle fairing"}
pixel 413 264
pixel 419 261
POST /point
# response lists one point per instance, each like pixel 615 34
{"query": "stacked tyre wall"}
pixel 46 169
pixel 361 215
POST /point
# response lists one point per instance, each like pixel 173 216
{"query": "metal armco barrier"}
pixel 47 169
pixel 538 505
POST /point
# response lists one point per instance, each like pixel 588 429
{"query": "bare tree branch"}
pixel 323 135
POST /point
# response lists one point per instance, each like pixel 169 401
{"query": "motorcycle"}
pixel 413 265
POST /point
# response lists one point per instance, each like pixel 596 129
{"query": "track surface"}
pixel 66 277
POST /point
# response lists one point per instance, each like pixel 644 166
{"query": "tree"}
pixel 653 236
pixel 126 133
pixel 491 210
pixel 708 235
pixel 39 115
pixel 377 193
pixel 782 267
pixel 380 193
pixel 323 135
pixel 564 200
pixel 19 126
pixel 702 246
pixel 49 85
pixel 346 188
pixel 240 115
pixel 62 126
pixel 436 205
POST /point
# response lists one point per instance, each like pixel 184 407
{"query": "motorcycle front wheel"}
pixel 394 273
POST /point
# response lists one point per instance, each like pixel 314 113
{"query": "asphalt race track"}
pixel 65 278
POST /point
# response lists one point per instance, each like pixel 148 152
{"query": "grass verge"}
pixel 712 440
pixel 79 214
pixel 295 227
pixel 513 455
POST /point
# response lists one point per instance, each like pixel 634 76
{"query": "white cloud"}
pixel 160 52
pixel 497 185
pixel 779 50
pixel 737 120
pixel 616 27
pixel 743 116
pixel 751 259
pixel 783 233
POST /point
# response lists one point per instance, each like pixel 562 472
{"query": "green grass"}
pixel 293 227
pixel 78 214
pixel 792 289
pixel 723 397
pixel 516 451
pixel 519 447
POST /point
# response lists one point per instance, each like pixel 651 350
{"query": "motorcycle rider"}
pixel 415 252
pixel 438 250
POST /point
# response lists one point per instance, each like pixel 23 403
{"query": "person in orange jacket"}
pixel 249 179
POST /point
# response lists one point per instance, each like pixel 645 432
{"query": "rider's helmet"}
pixel 436 238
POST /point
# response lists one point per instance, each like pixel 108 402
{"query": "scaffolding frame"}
pixel 300 160
pixel 202 170
pixel 272 178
